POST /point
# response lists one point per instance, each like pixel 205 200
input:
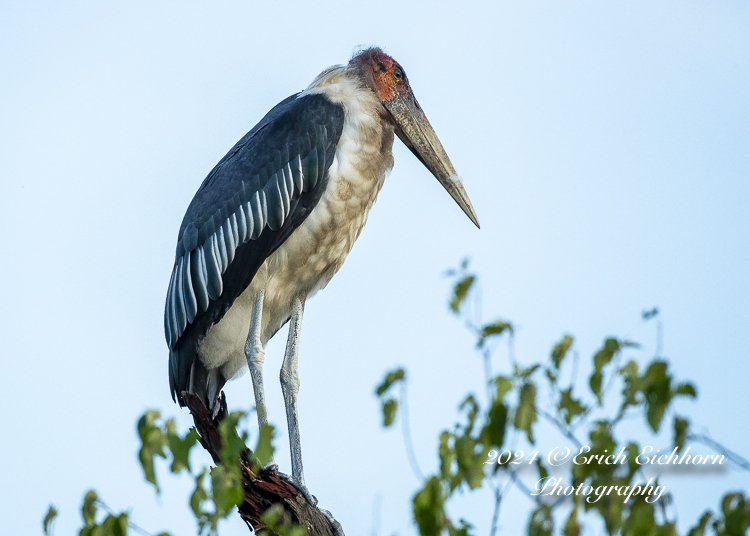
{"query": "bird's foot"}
pixel 304 491
pixel 310 498
pixel 300 487
pixel 271 465
pixel 335 524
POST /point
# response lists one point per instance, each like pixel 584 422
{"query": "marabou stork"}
pixel 275 219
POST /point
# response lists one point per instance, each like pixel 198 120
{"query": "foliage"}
pixel 471 454
pixel 475 452
pixel 208 503
pixel 217 490
pixel 388 402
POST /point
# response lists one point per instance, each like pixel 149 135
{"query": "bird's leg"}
pixel 255 357
pixel 290 388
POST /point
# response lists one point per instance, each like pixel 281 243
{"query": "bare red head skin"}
pixel 382 74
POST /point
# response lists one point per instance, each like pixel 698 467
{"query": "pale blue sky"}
pixel 604 146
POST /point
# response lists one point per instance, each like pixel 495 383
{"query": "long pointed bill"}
pixel 413 128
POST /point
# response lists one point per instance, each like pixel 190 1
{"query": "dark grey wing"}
pixel 249 204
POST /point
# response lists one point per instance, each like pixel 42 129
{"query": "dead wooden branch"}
pixel 263 489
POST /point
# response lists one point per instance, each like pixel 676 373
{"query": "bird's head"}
pixel 383 75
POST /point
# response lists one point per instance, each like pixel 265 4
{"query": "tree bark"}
pixel 263 489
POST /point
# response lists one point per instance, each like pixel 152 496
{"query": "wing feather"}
pixel 191 303
pixel 229 241
pixel 199 278
pixel 275 204
pixel 221 247
pixel 168 314
pixel 213 269
pixel 242 234
pixel 244 210
pixel 178 298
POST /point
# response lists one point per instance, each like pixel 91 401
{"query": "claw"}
pixel 300 487
pixel 310 498
pixel 335 524
pixel 304 491
pixel 271 466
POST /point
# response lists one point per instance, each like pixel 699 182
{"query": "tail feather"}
pixel 188 373
pixel 183 369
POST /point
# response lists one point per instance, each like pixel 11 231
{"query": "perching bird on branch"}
pixel 275 219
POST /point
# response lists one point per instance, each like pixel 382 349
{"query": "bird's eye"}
pixel 398 74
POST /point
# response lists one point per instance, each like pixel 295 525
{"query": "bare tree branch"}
pixel 263 489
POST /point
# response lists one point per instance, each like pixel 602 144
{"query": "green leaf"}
pixel 540 522
pixel 493 432
pixel 226 488
pixel 428 508
pixel 197 500
pixel 653 389
pixel 446 453
pixel 49 519
pixel 524 373
pixel 274 515
pixel 658 393
pixel 632 450
pixel 460 291
pixel 232 444
pixel 630 379
pixel 601 444
pixel 88 509
pixel 391 378
pixel 389 412
pixel 543 473
pixel 180 449
pixel 700 528
pixel 561 350
pixel 153 441
pixel 493 330
pixel 471 407
pixel 735 511
pixel 463 529
pixel 605 355
pixel 568 406
pixel 264 449
pixel 572 528
pixel 119 525
pixel 503 385
pixel 526 410
pixel 680 431
pixel 278 521
pixel 470 458
pixel 686 389
pixel 602 358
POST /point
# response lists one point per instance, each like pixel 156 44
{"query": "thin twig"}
pixel 562 428
pixel 496 512
pixel 132 525
pixel 613 374
pixel 487 358
pixel 512 350
pixel 407 435
pixel 733 457
pixel 519 483
pixel 377 504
